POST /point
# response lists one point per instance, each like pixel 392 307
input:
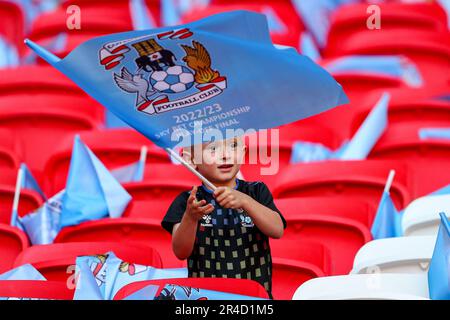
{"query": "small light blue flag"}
pixel 308 47
pixel 133 172
pixel 387 223
pixel 140 15
pixel 29 182
pixel 8 54
pixel 434 133
pixel 176 292
pixel 358 148
pixel 23 272
pixel 439 271
pixel 146 293
pixel 219 73
pixel 441 191
pixel 316 14
pixel 43 225
pixel 91 191
pixel 109 274
pixel 369 132
pixel 398 67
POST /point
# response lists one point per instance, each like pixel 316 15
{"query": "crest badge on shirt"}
pixel 246 221
pixel 206 221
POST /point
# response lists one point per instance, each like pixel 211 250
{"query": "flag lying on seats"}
pixel 221 72
pixel 358 148
pixel 91 191
pixel 102 276
pixel 147 293
pixel 133 172
pixel 177 292
pixel 23 272
pixel 27 181
pixel 434 133
pixel 399 67
pixel 439 271
pixel 387 223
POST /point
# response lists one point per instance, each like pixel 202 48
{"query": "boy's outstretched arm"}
pixel 267 220
pixel 183 233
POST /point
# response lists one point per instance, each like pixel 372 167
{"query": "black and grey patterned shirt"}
pixel 227 243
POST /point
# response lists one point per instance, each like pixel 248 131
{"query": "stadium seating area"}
pixel 328 250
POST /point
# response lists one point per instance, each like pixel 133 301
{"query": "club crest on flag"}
pixel 161 79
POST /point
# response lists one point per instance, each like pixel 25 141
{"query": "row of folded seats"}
pixel 326 237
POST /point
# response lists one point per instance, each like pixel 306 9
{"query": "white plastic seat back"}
pixel 395 255
pixel 421 217
pixel 379 286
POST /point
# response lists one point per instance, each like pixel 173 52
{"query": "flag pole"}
pixel 389 181
pixel 143 157
pixel 15 207
pixel 177 157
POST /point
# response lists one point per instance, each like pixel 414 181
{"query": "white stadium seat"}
pixel 395 255
pixel 421 217
pixel 379 286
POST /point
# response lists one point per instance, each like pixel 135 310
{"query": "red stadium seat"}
pixel 342 236
pixel 430 51
pixel 10 150
pixel 53 260
pixel 101 21
pixel 152 198
pixel 35 289
pixel 37 128
pixel 229 285
pixel 12 242
pixel 29 201
pixel 269 152
pixel 352 18
pixel 423 112
pixel 114 148
pixel 127 230
pixel 45 85
pixel 357 210
pixel 12 21
pixel 428 159
pixel 294 262
pixel 358 180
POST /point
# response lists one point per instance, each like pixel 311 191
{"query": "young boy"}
pixel 225 233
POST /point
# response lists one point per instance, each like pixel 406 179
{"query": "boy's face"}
pixel 219 161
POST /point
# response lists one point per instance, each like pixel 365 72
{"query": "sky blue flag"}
pixel 147 293
pixel 439 271
pixel 387 223
pixel 434 133
pixel 91 191
pixel 133 172
pixel 369 132
pixel 398 67
pixel 358 148
pixel 29 182
pixel 221 72
pixel 140 15
pixel 308 47
pixel 9 56
pixel 102 276
pixel 43 225
pixel 176 292
pixel 23 272
pixel 316 14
